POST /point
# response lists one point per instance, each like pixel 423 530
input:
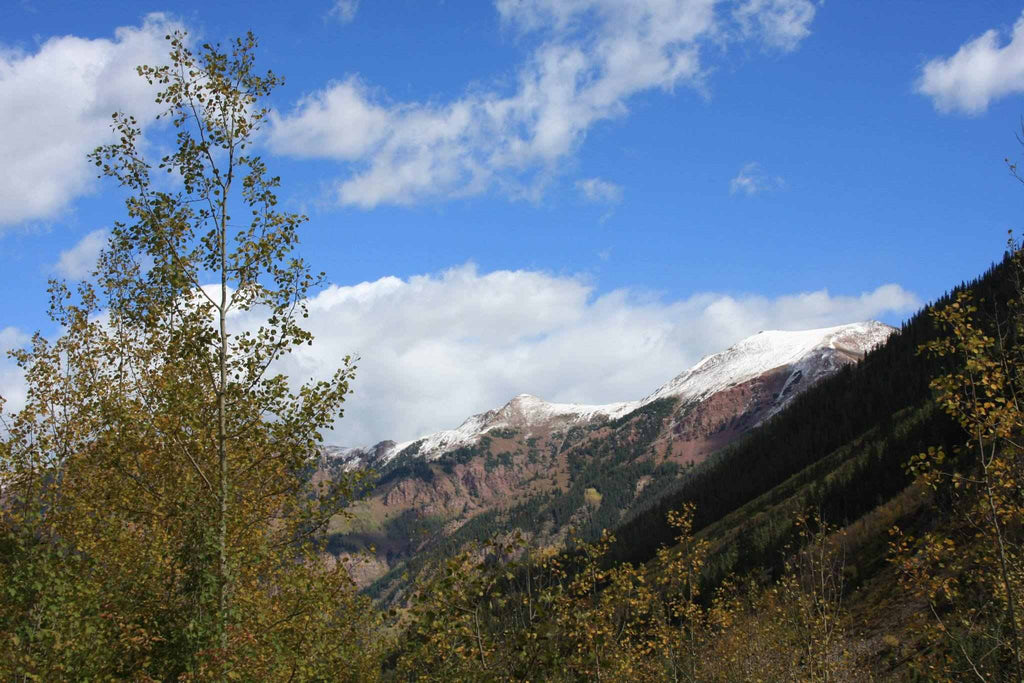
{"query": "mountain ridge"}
pixel 812 353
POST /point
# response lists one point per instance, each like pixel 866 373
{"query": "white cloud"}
pixel 601 191
pixel 590 57
pixel 437 348
pixel 55 107
pixel 344 10
pixel 982 70
pixel 752 180
pixel 12 380
pixel 77 262
pixel 779 24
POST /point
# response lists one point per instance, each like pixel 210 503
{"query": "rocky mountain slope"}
pixel 524 412
pixel 545 467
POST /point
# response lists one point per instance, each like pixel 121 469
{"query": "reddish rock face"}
pixel 697 430
pixel 469 484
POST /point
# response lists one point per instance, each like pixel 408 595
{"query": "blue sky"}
pixel 573 198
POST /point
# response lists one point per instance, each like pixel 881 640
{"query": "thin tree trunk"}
pixel 222 526
pixel 1005 575
pixel 1000 547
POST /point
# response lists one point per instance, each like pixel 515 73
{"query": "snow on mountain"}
pixel 522 412
pixel 810 355
pixel 805 350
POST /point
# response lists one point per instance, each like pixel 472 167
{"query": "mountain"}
pixel 524 412
pixel 543 467
pixel 781 363
pixel 805 354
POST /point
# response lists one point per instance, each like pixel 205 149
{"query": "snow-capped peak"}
pixel 521 413
pixel 768 350
pixel 526 409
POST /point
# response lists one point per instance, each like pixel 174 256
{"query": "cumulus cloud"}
pixel 752 180
pixel 982 70
pixel 344 10
pixel 55 107
pixel 589 58
pixel 78 261
pixel 779 24
pixel 435 349
pixel 12 381
pixel 600 191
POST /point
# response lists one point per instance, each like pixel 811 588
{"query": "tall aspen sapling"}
pixel 174 467
pixel 970 571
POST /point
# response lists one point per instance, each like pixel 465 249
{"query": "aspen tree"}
pixel 970 572
pixel 172 470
